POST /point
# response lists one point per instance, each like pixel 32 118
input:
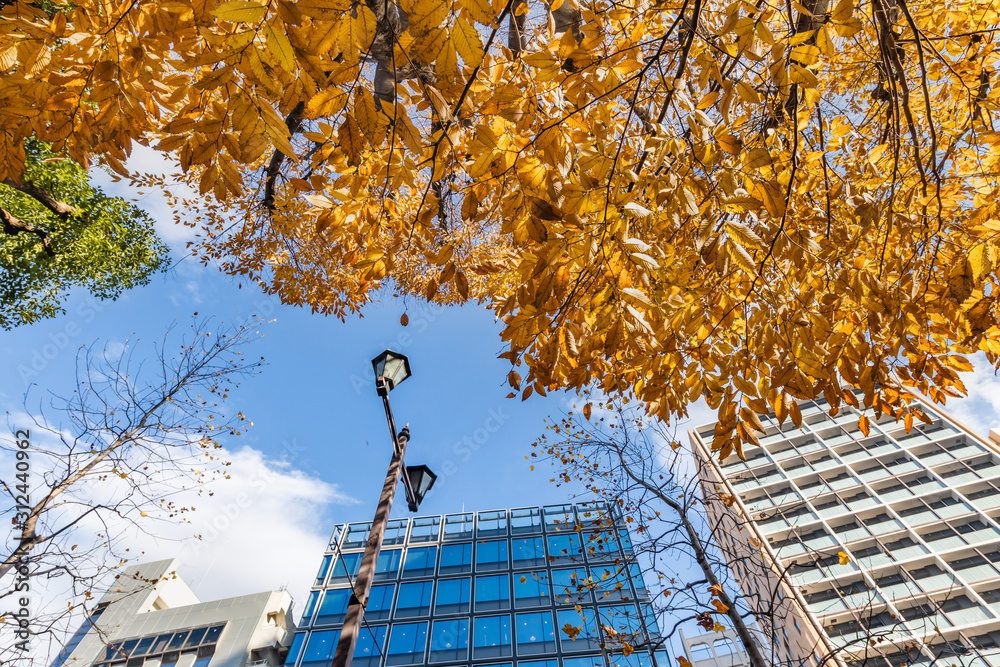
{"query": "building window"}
pixel 491 637
pixel 395 531
pixel 346 568
pixel 406 644
pixel 309 608
pixel 626 541
pixel 528 552
pixel 592 661
pixel 610 583
pixel 582 626
pixel 205 654
pixel 143 646
pixel 414 599
pixel 701 652
pixel 161 642
pixel 637 659
pixel 419 562
pixel 380 602
pixel 559 517
pixel 600 546
pixel 491 555
pixel 525 521
pixel 334 607
pixel 458 526
pixel 319 649
pixel 387 565
pixel 492 592
pixel 531 589
pixel 453 596
pixel 535 633
pixel 492 523
pixel 570 586
pixel 450 640
pixel 324 567
pixel 357 535
pixel 293 650
pixel 368 649
pixel 724 646
pixel 425 529
pixel 456 558
pixel 624 620
pixel 564 548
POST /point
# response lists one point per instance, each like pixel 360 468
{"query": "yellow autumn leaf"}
pixel 240 11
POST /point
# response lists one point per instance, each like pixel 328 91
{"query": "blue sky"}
pixel 317 453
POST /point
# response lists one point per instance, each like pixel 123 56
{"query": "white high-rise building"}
pixel 879 549
pixel 151 618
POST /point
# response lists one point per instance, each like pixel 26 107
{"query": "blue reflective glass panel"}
pixel 585 635
pixel 319 649
pixel 589 661
pixel 453 596
pixel 491 555
pixel 333 607
pixel 571 586
pixel 387 565
pixel 450 640
pixel 406 644
pixel 531 589
pixel 307 613
pixel 296 648
pixel 491 638
pixel 324 567
pixel 492 592
pixel 564 548
pixel 346 568
pixel 456 558
pixel 419 562
pixel 535 633
pixel 528 552
pixel 370 647
pixel 414 599
pixel 380 601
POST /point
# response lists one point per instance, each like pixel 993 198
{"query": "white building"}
pixel 151 618
pixel 874 549
pixel 714 649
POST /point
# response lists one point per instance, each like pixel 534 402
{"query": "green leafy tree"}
pixel 61 232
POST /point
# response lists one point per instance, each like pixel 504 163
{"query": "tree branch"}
pixel 60 208
pixel 13 226
pixel 293 122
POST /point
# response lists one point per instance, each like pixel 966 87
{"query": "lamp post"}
pixel 390 370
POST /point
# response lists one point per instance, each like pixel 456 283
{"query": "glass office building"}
pixel 915 513
pixel 498 588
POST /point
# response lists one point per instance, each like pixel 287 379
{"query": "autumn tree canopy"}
pixel 748 201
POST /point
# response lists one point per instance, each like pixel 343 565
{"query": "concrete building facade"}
pixel 495 588
pixel 879 549
pixel 151 618
pixel 714 649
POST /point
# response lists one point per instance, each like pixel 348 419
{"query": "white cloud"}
pixel 261 530
pixel 149 161
pixel 980 410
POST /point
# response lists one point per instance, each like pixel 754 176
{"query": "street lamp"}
pixel 421 481
pixel 390 368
